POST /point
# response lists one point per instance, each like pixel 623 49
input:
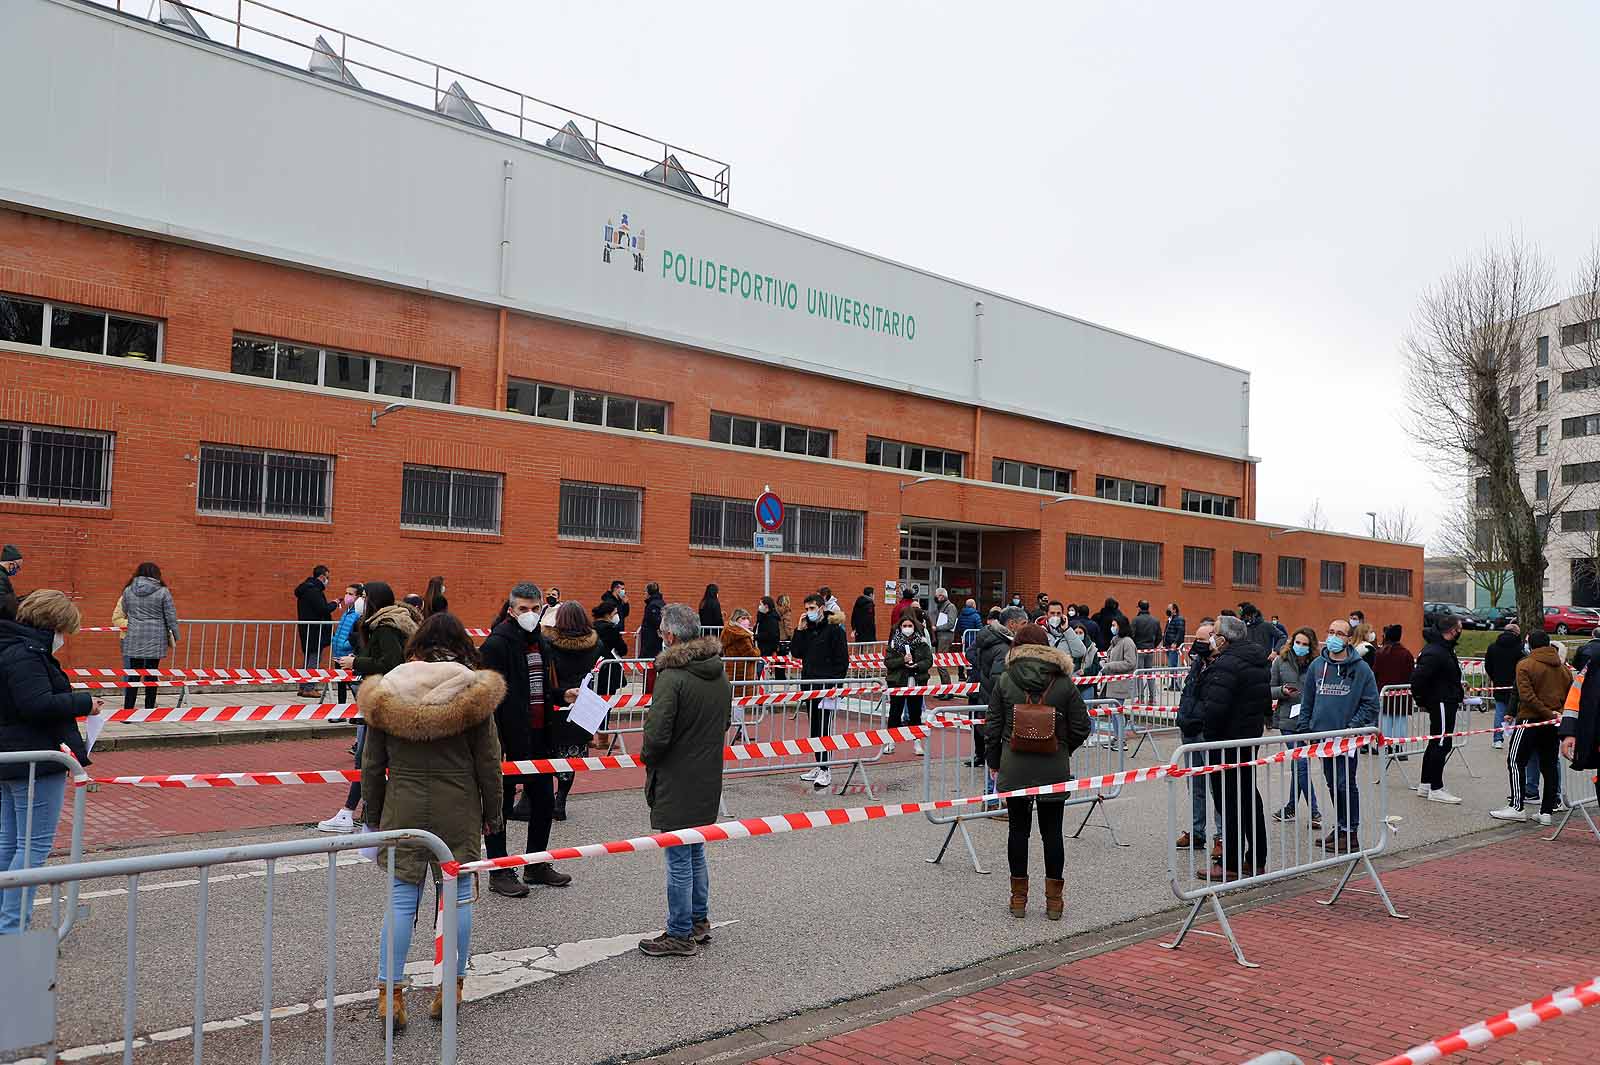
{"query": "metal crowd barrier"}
pixel 29 959
pixel 232 644
pixel 64 912
pixel 1264 815
pixel 792 721
pixel 1156 708
pixel 1578 792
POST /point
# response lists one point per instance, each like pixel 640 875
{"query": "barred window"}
pixel 1333 577
pixel 724 523
pixel 730 524
pixel 454 500
pixel 46 324
pixel 1208 503
pixel 741 431
pixel 914 457
pixel 600 512
pixel 41 464
pixel 1382 580
pixel 250 482
pixel 283 360
pixel 1028 475
pixel 1128 491
pixel 1199 565
pixel 1291 573
pixel 1246 569
pixel 1099 556
pixel 564 404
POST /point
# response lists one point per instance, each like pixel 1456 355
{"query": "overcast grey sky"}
pixel 1267 184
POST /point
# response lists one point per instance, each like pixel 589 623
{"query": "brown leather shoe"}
pixel 1019 896
pixel 1053 902
pixel 1216 850
pixel 399 1005
pixel 436 1011
pixel 1185 840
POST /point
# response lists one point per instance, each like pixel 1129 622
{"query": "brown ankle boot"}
pixel 1053 903
pixel 399 1005
pixel 1019 895
pixel 436 1011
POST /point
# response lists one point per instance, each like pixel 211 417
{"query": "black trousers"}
pixel 906 709
pixel 130 694
pixel 1051 814
pixel 1244 822
pixel 1440 719
pixel 1541 742
pixel 820 721
pixel 541 809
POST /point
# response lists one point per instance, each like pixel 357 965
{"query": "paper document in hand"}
pixel 93 725
pixel 590 710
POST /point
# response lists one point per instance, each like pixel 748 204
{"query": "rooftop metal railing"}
pixel 359 62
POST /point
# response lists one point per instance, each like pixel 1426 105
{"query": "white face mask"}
pixel 360 605
pixel 528 621
pixel 57 643
pixel 1055 621
pixel 813 615
pixel 907 630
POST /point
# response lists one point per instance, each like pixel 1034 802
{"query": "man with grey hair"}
pixel 682 753
pixel 988 659
pixel 512 649
pixel 1235 696
pixel 942 621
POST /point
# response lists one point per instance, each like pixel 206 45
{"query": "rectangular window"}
pixel 454 500
pixel 730 524
pixel 1028 475
pixel 1541 485
pixel 1382 580
pixel 562 404
pixel 914 457
pixel 599 512
pixel 1580 520
pixel 1291 574
pixel 250 482
pixel 1246 569
pixel 1578 332
pixel 1541 440
pixel 307 364
pixel 1207 503
pixel 1098 556
pixel 1543 356
pixel 1332 578
pixel 42 464
pixel 1199 565
pixel 1484 491
pixel 1541 395
pixel 57 326
pixel 1514 401
pixel 1128 491
pixel 1582 425
pixel 1580 473
pixel 743 431
pixel 1579 380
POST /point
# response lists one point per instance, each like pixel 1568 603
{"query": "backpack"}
pixel 1033 725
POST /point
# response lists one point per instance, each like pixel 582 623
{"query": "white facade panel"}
pixel 156 132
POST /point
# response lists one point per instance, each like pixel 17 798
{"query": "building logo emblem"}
pixel 620 237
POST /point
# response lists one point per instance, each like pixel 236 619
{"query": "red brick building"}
pixel 189 373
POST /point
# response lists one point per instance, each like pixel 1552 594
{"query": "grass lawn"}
pixel 1474 642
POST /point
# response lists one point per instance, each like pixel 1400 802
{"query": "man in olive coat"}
pixel 684 733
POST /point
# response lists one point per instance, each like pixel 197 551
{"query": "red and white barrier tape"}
pixel 183 678
pixel 1561 1003
pixel 797 822
pixel 235 714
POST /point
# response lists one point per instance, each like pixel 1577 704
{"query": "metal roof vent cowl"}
pixel 568 140
pixel 325 63
pixel 455 103
pixel 174 16
pixel 672 174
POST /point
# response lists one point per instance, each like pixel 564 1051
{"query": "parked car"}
pixel 1470 619
pixel 1562 620
pixel 1498 616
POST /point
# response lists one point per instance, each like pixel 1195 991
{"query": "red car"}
pixel 1561 620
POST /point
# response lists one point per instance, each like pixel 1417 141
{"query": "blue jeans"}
pixel 1530 778
pixel 403 901
pixel 25 843
pixel 688 889
pixel 1340 773
pixel 1199 789
pixel 1302 785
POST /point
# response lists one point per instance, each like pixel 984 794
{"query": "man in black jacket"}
pixel 10 562
pixel 312 605
pixel 512 650
pixel 1110 612
pixel 1190 727
pixel 864 618
pixel 1172 635
pixel 820 644
pixel 617 595
pixel 1258 630
pixel 1235 696
pixel 1436 687
pixel 650 624
pixel 1500 665
pixel 1580 729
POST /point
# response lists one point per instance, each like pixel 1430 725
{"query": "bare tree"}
pixel 1399 525
pixel 1469 537
pixel 1315 517
pixel 1471 377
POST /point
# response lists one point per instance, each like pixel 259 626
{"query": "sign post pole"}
pixel 769 518
pixel 766 560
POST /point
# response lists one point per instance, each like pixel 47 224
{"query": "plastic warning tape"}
pixel 1508 727
pixel 749 827
pixel 212 714
pixel 184 679
pixel 1567 1001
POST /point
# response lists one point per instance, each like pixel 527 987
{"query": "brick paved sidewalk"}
pixel 1490 928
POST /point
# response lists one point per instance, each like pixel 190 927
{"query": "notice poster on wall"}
pixel 891 592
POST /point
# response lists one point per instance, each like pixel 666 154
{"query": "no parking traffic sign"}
pixel 769 512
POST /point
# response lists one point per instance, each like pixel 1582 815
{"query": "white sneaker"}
pixel 1499 745
pixel 1440 795
pixel 917 749
pixel 342 822
pixel 811 774
pixel 1423 789
pixel 1508 813
pixel 888 748
pixel 824 779
pixel 1546 819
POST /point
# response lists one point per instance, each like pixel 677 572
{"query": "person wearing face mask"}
pixel 547 613
pixel 1121 660
pixel 739 650
pixel 1235 695
pixel 10 565
pixel 942 618
pixel 1436 688
pixel 821 645
pixel 613 648
pixel 988 659
pixel 354 605
pixel 1172 637
pixel 313 611
pixel 1063 637
pixel 344 637
pixel 1341 692
pixel 513 649
pixel 768 631
pixel 907 663
pixel 650 642
pixel 1190 725
pixel 1110 612
pixel 38 712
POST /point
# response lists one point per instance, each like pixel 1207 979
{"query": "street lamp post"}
pixel 1373 514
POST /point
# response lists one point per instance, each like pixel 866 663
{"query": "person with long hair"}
pixel 433 600
pixel 768 629
pixel 1288 676
pixel 907 662
pixel 571 650
pixel 432 762
pixel 785 632
pixel 710 609
pixel 152 627
pixel 739 643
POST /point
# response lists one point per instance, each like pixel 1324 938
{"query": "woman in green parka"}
pixel 906 663
pixel 1035 673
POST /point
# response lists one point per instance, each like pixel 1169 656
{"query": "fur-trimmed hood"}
pixel 423 701
pixel 1033 667
pixel 399 616
pixel 571 643
pixel 682 653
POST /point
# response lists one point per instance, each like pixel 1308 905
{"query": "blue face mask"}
pixel 1335 643
pixel 1301 650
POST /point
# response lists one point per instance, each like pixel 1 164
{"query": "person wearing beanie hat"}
pixel 10 562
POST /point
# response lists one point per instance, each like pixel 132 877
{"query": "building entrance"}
pixel 942 556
